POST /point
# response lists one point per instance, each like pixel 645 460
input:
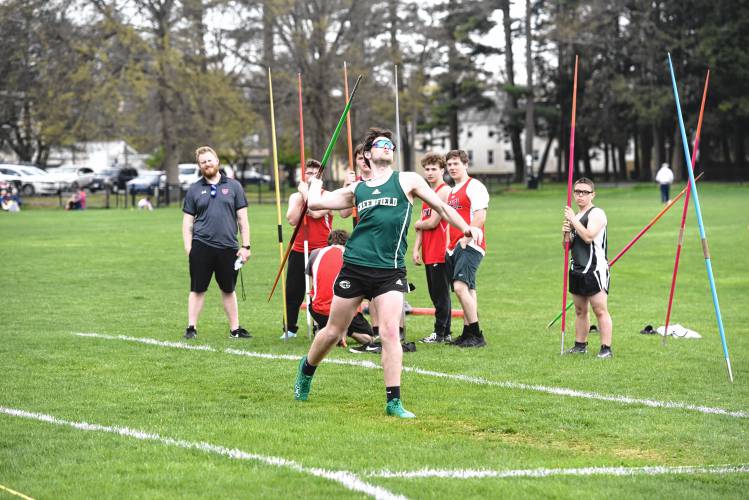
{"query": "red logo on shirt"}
pixel 225 190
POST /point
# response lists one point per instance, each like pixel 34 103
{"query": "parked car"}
pixel 147 182
pixel 10 180
pixel 73 176
pixel 189 173
pixel 33 180
pixel 114 178
pixel 252 176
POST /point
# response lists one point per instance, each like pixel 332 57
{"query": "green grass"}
pixel 123 272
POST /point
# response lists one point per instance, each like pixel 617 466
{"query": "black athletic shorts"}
pixel 359 281
pixel 358 325
pixel 463 265
pixel 206 260
pixel 588 284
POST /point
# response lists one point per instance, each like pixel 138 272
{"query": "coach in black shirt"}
pixel 214 207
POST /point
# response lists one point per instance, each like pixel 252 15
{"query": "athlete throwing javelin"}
pixel 373 261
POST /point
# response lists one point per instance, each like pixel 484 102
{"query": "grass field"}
pixel 119 415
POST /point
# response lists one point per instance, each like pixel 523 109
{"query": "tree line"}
pixel 167 75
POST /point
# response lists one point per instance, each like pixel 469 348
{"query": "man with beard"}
pixel 213 209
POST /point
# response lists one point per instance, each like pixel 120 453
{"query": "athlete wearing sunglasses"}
pixel 374 265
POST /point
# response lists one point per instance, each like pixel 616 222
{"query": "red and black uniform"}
pixel 324 266
pixel 463 204
pixel 463 263
pixel 316 232
pixel 433 244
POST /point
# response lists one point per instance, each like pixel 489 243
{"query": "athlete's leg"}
pixel 582 323
pixel 294 288
pixel 389 307
pixel 467 302
pixel 373 319
pixel 362 338
pixel 231 309
pixel 439 292
pixel 195 303
pixel 599 303
pixel 342 311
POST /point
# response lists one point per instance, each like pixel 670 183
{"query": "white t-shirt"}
pixel 664 176
pixel 479 196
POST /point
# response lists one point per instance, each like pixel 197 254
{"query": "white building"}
pixel 489 148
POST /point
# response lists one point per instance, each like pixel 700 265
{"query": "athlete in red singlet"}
pixel 470 199
pixel 317 227
pixel 324 266
pixel 429 249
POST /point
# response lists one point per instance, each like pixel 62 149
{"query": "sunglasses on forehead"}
pixel 384 144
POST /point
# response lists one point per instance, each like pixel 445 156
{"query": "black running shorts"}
pixel 358 325
pixel 463 265
pixel 588 284
pixel 206 260
pixel 359 281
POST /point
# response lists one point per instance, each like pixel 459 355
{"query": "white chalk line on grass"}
pixel 14 492
pixel 352 481
pixel 582 471
pixel 347 479
pixel 557 391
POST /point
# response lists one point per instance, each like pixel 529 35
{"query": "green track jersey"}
pixel 379 239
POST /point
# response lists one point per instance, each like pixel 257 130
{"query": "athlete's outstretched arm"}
pixel 330 200
pixel 434 219
pixel 419 188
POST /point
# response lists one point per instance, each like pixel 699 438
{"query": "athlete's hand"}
pixel 474 233
pixel 350 178
pixel 417 257
pixel 244 254
pixel 303 189
pixel 566 227
pixel 569 214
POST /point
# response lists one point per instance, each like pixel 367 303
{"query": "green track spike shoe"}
pixel 303 383
pixel 395 409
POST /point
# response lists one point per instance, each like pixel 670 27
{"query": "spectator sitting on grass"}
pixel 145 203
pixel 10 202
pixel 77 200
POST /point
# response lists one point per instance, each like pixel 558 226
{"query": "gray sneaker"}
pixel 436 338
pixel 432 338
pixel 578 348
pixel 605 353
pixel 240 333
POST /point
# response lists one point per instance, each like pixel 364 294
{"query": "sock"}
pixel 308 369
pixel 581 344
pixel 605 346
pixel 473 329
pixel 393 392
pixel 191 327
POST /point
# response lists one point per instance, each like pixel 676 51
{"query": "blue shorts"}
pixel 463 265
